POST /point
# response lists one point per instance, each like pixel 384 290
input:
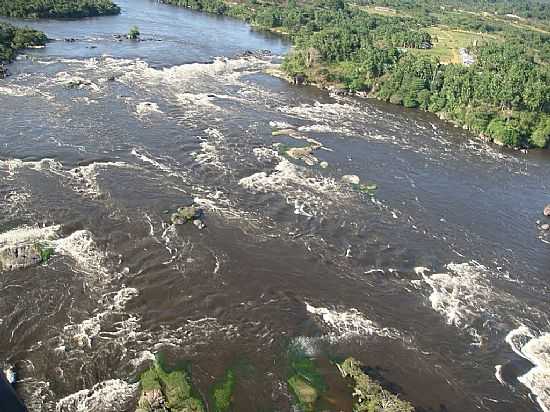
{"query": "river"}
pixel 440 282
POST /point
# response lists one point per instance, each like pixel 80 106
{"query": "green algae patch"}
pixel 45 253
pixel 167 390
pixel 369 395
pixel 305 382
pixel 149 380
pixel 222 392
pixel 305 393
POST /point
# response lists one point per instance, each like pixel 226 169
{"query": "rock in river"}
pixel 188 214
pixel 547 210
pixel 199 224
pixel 19 256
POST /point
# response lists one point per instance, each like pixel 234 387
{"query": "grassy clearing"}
pixel 447 43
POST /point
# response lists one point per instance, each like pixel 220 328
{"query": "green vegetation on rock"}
pixel 45 253
pixel 13 39
pixel 370 395
pixel 222 393
pixel 134 33
pixel 170 390
pixel 35 9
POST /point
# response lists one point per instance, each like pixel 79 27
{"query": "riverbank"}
pixel 345 47
pixel 57 9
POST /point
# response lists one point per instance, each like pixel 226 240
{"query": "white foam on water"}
pixel 16 198
pixel 307 194
pixel 210 153
pixel 341 325
pixel 309 346
pixel 13 165
pixel 323 128
pixel 106 396
pixel 148 158
pixel 196 100
pixel 70 80
pixel 326 114
pixel 80 246
pixel 83 335
pixel 280 125
pixel 189 72
pixel 535 347
pixel 15 90
pixel 461 294
pixel 28 234
pixel 85 177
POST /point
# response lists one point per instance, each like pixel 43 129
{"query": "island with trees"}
pixel 36 9
pixel 484 66
pixel 13 39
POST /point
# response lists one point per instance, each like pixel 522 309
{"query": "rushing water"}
pixel 439 281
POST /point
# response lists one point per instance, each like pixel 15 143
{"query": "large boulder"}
pixel 20 256
pixel 547 210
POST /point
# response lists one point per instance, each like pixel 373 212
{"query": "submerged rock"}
pixel 222 392
pixel 20 256
pixel 547 210
pixel 307 395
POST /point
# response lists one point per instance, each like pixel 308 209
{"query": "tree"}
pixel 134 33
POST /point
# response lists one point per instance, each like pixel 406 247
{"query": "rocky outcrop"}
pixel 188 214
pixel 19 256
pixel 303 153
pixel 546 211
pixel 167 391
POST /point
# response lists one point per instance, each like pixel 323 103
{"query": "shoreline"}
pixel 333 91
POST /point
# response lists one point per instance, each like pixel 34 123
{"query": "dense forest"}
pixel 35 9
pixel 504 95
pixel 535 9
pixel 13 39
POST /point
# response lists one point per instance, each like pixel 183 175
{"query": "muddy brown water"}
pixel 291 255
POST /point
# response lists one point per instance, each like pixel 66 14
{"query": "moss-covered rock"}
pixel 370 395
pixel 186 214
pixel 167 391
